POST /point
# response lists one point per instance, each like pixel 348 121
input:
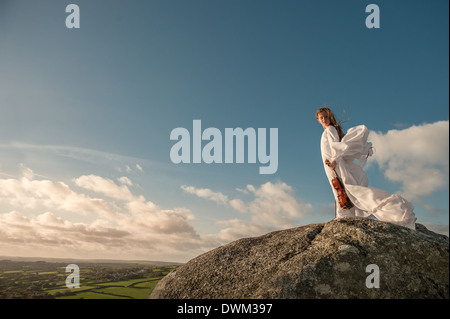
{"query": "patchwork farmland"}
pixel 98 280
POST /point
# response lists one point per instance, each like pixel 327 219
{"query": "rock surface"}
pixel 326 260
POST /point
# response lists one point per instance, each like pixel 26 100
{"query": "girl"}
pixel 339 151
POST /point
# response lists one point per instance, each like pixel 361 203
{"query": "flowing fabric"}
pixel 350 155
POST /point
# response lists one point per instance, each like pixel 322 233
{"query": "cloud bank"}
pixel 116 224
pixel 96 217
pixel 273 206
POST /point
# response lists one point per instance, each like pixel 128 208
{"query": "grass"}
pixel 125 289
pixel 92 295
pixel 31 280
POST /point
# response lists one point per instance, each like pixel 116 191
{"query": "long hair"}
pixel 333 121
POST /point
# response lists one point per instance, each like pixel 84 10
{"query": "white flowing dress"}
pixel 367 201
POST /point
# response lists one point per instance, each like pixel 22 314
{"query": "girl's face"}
pixel 323 119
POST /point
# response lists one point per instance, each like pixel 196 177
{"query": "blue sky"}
pixel 88 112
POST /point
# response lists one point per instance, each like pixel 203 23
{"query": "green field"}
pixel 125 289
pixel 25 280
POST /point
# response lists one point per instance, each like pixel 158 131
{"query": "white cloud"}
pixel 273 206
pixel 125 180
pixel 417 157
pixel 148 217
pixel 31 194
pixel 238 205
pixel 121 225
pixel 236 228
pixel 106 187
pixel 206 193
pixel 26 172
pixel 275 197
pixel 47 230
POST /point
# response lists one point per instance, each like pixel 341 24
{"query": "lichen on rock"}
pixel 326 260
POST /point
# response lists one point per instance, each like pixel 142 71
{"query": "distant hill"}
pixel 89 261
